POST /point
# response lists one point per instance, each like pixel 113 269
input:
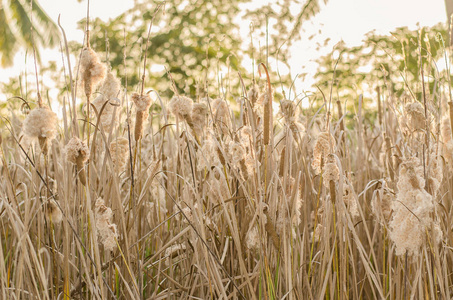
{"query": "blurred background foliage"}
pixel 200 45
pixel 388 62
pixel 18 19
pixel 197 42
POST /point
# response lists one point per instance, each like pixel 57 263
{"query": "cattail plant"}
pixel 350 198
pixel 92 71
pixel 253 94
pixel 199 118
pixel 119 150
pixel 416 114
pixel 325 143
pixel 77 152
pixel 331 171
pixel 253 238
pixel 412 210
pixel 181 108
pixel 288 109
pixel 447 141
pixel 142 105
pixel 53 212
pixel 107 231
pixel 41 123
pixel 221 114
pixel 381 204
pixel 109 90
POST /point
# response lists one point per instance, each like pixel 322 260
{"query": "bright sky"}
pixel 347 20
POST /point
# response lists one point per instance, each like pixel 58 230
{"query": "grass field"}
pixel 140 197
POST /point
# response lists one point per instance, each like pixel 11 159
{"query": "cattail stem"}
pixel 266 125
pixel 267 109
pixel 140 118
pixel 333 192
pixel 389 157
pixel 282 162
pixel 43 144
pixel 81 170
pixel 450 105
pixel 270 229
pixel 378 90
pixel 340 117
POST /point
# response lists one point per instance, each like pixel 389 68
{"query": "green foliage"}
pixel 391 61
pixel 20 29
pixel 192 40
pixel 285 18
pixel 198 43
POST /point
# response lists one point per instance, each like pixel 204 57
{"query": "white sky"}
pixel 347 20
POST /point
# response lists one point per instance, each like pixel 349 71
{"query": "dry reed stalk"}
pixel 333 192
pixel 389 158
pixel 77 152
pixel 348 256
pixel 270 229
pixel 282 162
pixel 450 105
pixel 340 117
pixel 142 105
pixel 140 118
pixel 378 91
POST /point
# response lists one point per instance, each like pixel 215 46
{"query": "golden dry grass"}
pixel 200 204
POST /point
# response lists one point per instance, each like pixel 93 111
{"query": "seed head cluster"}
pixel 107 231
pixel 325 144
pixel 77 151
pixel 412 210
pixel 109 91
pixel 119 150
pixel 91 69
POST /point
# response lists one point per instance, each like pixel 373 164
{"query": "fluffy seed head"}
pixel 109 90
pixel 221 114
pixel 53 212
pixel 107 231
pixel 199 113
pixel 253 238
pixel 324 145
pixel 253 94
pixel 350 199
pixel 108 118
pixel 91 68
pixel 318 232
pixel 413 210
pixel 381 205
pixel 417 115
pixel 76 149
pixel 331 171
pixel 181 107
pixel 41 122
pixel 142 103
pixel 435 174
pixel 110 86
pixel 119 150
pixel 411 175
pixel 288 109
pixel 237 153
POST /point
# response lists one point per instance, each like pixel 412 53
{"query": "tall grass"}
pixel 200 204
